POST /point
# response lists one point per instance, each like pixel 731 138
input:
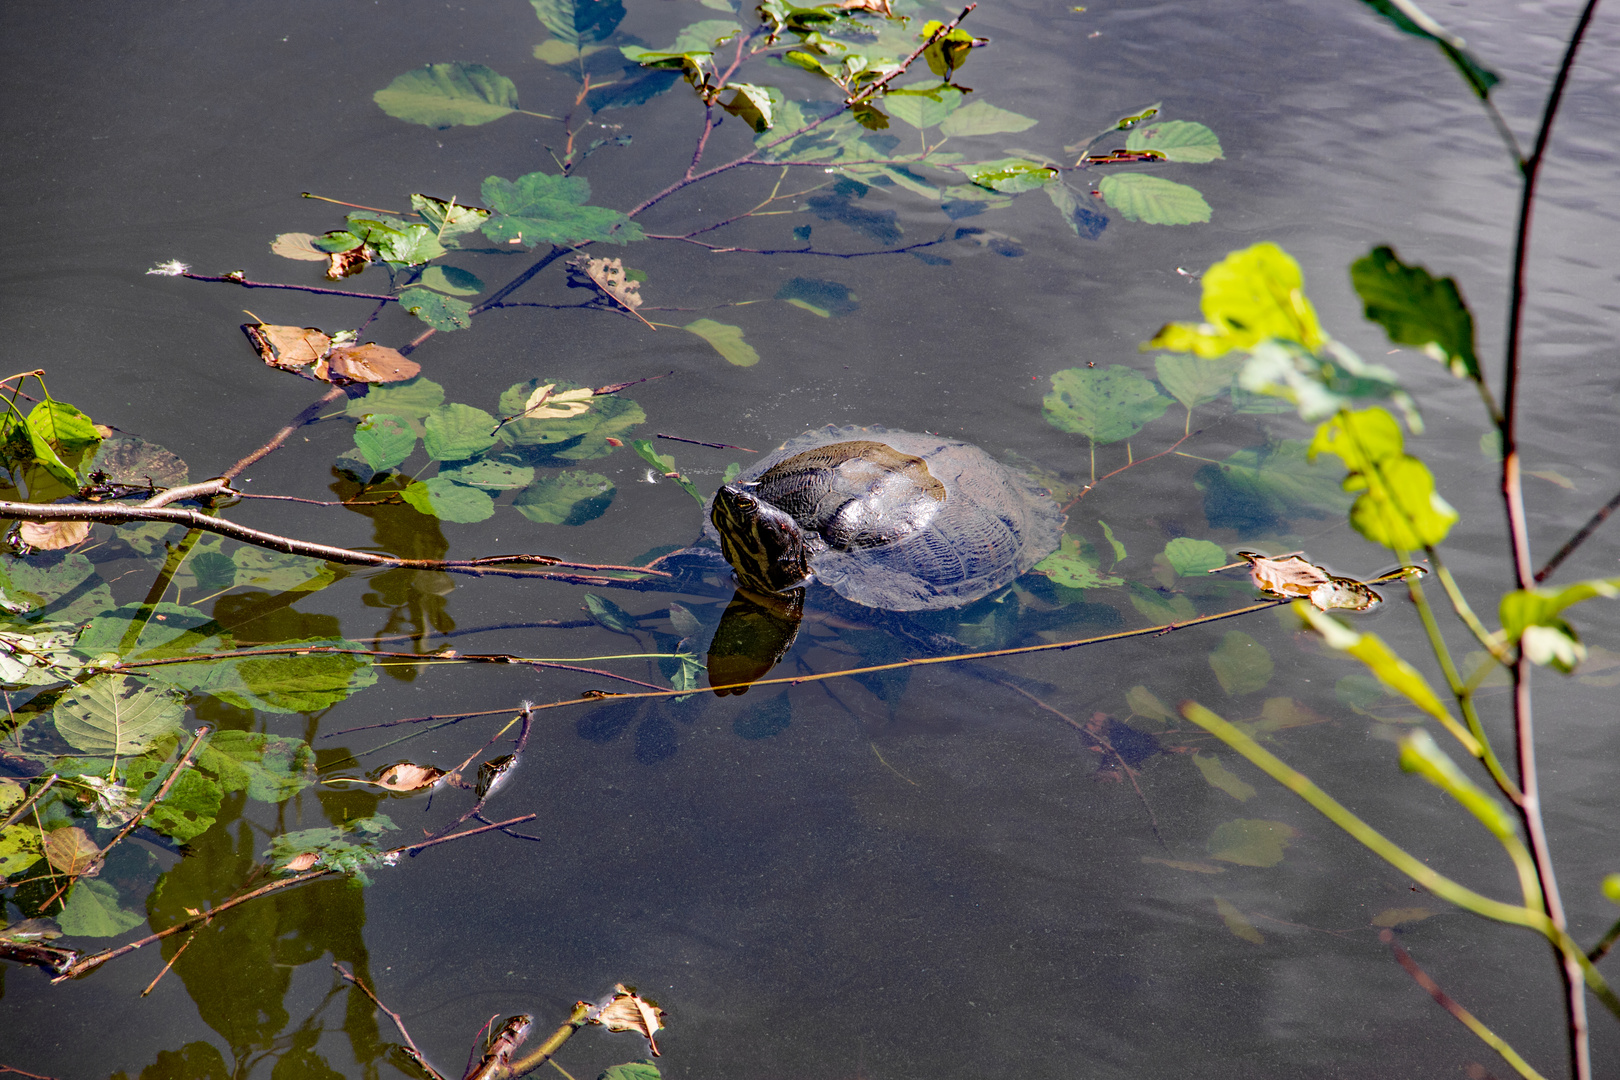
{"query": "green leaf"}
pixel 444 95
pixel 1530 618
pixel 92 910
pixel 828 299
pixel 1249 297
pixel 1237 922
pixel 1177 140
pixel 752 104
pixel 1104 404
pixel 63 426
pixel 1074 565
pixel 608 615
pixel 336 242
pixel 450 279
pixel 571 438
pixel 1160 607
pixel 1194 380
pixel 1119 548
pixel 117 715
pixel 665 463
pixel 411 246
pixel 980 118
pixel 1398 507
pixel 1420 755
pixel 20 848
pixel 1411 19
pixel 490 475
pixel 275 571
pixel 1415 308
pixel 922 106
pixel 1241 664
pixel 458 432
pixel 190 807
pixel 542 209
pixel 1219 776
pixel 576 21
pixel 412 398
pixel 572 497
pixel 1250 842
pixel 449 220
pixel 1262 487
pixel 66 589
pixel 1010 176
pixel 384 440
pixel 1194 558
pixel 444 313
pixel 447 500
pixel 270 768
pixel 167 630
pixel 632 1070
pixel 726 339
pixel 1153 200
pixel 1319 384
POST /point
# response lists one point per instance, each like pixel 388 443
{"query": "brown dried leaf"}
pixel 369 363
pixel 298 245
pixel 71 851
pixel 347 263
pixel 878 7
pixel 299 863
pixel 53 535
pixel 407 776
pixel 625 1011
pixel 499 1047
pixel 608 275
pixel 1293 577
pixel 287 347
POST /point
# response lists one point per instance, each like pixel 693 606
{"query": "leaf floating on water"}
pixel 1075 565
pixel 406 776
pixel 444 95
pixel 116 715
pixel 1153 200
pixel 1104 404
pixel 20 848
pixel 632 1070
pixel 53 535
pixel 290 348
pixel 727 340
pixel 611 279
pixel 449 220
pixel 92 910
pixel 571 497
pixel 1189 557
pixel 369 363
pixel 1294 577
pixel 626 1011
pixel 299 863
pixel 1177 140
pixel 71 851
pixel 982 118
pixel 298 245
pixel 1402 915
pixel 1218 775
pixel 577 22
pixel 1251 842
pixel 539 208
pixel 444 313
pixel 1237 922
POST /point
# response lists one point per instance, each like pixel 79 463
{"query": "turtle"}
pixel 894 520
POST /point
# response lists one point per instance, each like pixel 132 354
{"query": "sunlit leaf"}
pixel 1415 308
pixel 414 399
pixel 298 245
pixel 275 571
pixel 20 848
pixel 444 95
pixel 1074 565
pixel 1531 617
pixel 1009 176
pixel 922 105
pixel 1177 140
pixel 571 497
pixel 372 363
pixel 449 220
pixel 665 464
pixel 543 209
pixel 1219 776
pixel 627 1011
pixel 727 340
pixel 977 118
pixel 406 776
pixel 490 475
pixel 1250 842
pixel 752 104
pixel 1194 558
pixel 457 432
pixel 632 1070
pixel 53 535
pixel 1195 380
pixel 1153 200
pixel 1104 404
pixel 70 851
pixel 270 768
pixel 1398 506
pixel 571 424
pixel 189 808
pixel 438 311
pixel 384 440
pixel 288 347
pixel 1249 296
pixel 579 21
pixel 1241 664
pixel 1237 922
pixel 447 500
pixel 117 715
pixel 92 910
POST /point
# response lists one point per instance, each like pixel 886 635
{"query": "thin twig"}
pixel 1578 539
pixel 237 279
pixel 184 945
pixel 700 442
pixel 22 807
pixel 309 414
pixel 411 1049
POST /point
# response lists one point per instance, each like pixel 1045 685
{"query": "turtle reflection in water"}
pixel 886 519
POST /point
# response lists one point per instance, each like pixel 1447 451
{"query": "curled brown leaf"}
pixel 625 1010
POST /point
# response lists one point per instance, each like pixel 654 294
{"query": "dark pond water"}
pixel 887 877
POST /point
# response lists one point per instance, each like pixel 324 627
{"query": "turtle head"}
pixel 762 542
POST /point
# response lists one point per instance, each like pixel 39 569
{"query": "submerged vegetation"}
pixel 98 688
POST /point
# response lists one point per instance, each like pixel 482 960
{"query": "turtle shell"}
pixel 903 521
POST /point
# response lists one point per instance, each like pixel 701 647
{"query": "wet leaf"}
pixel 189 808
pixel 1143 702
pixel 131 460
pixel 1009 176
pixel 576 22
pixel 444 95
pixel 71 851
pixel 922 105
pixel 1195 380
pixel 457 432
pixel 490 475
pixel 437 310
pixel 20 848
pixel 1192 558
pixel 574 425
pixel 291 348
pixel 626 1011
pixel 1398 506
pixel 384 440
pixel 1415 308
pixel 1249 297
pixel 53 535
pixel 1074 565
pixel 1220 776
pixel 1153 200
pixel 572 497
pixel 449 220
pixel 978 118
pixel 413 398
pixel 447 500
pixel 1237 922
pixel 548 403
pixel 1400 916
pixel 270 768
pixel 298 245
pixel 299 863
pixel 449 279
pixel 726 340
pixel 92 910
pixel 294 684
pixel 116 715
pixel 542 209
pixel 12 793
pixel 1241 664
pixel 370 363
pixel 608 275
pixel 406 776
pixel 1177 140
pixel 1104 404
pixel 1250 842
pixel 752 104
pixel 608 615
pixel 1160 607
